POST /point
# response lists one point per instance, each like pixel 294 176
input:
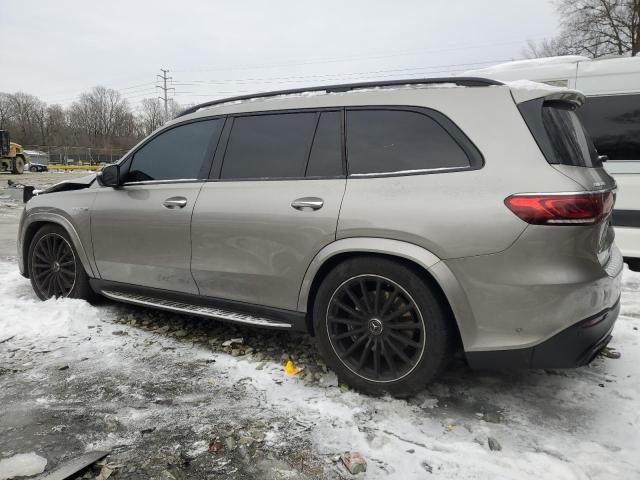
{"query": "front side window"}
pixel 398 141
pixel 269 146
pixel 178 153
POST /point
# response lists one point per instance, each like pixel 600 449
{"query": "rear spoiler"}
pixel 524 90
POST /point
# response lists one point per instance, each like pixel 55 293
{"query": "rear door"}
pixel 271 205
pixel 141 230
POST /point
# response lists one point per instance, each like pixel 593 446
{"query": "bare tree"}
pixel 57 126
pixel 26 110
pixel 174 109
pixel 40 120
pixel 151 115
pixel 546 48
pixel 100 115
pixel 100 118
pixel 6 112
pixel 593 28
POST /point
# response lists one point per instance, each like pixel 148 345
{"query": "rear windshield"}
pixel 568 138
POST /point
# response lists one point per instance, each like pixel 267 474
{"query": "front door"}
pixel 141 230
pixel 273 205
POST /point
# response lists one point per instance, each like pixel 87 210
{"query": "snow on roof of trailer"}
pixel 531 63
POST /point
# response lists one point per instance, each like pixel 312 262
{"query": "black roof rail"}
pixel 345 87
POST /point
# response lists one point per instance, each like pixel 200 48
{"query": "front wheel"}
pixel 54 267
pixel 380 326
pixel 18 165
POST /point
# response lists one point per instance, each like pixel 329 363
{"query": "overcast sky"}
pixel 58 49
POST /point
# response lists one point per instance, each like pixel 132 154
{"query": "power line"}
pixel 143 89
pixel 361 57
pixel 412 70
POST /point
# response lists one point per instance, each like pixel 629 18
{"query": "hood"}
pixel 75 184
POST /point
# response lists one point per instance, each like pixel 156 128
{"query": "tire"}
pixel 33 169
pixel 54 267
pixel 17 166
pixel 423 334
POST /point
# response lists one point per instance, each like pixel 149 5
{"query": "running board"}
pixel 191 309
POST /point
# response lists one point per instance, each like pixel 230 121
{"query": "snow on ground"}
pixel 74 377
pixel 22 464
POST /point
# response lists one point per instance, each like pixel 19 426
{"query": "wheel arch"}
pixel 423 262
pixel 35 222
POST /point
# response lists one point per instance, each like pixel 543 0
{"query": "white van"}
pixel 612 118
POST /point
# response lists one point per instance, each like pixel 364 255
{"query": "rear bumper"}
pixel 574 346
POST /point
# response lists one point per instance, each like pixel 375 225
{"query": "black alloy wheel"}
pixel 375 328
pixel 53 266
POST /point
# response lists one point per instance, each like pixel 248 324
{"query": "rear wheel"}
pixel 54 267
pixel 380 327
pixel 18 165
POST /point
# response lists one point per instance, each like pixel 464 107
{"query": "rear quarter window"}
pixel 568 137
pixel 559 133
pixel 398 141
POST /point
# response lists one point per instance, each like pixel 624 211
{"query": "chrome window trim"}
pixel 162 182
pixel 408 172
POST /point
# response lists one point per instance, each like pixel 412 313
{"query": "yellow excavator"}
pixel 12 156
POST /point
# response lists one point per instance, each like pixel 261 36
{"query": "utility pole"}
pixel 164 89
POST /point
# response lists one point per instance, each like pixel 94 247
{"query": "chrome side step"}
pixel 190 309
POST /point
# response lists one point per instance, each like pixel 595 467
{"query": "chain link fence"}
pixel 72 156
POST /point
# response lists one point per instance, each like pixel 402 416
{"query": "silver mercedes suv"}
pixel 396 222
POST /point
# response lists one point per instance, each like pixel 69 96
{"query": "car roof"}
pixel 413 92
pixel 311 97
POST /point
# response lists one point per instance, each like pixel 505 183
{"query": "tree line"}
pixel 593 28
pixel 100 118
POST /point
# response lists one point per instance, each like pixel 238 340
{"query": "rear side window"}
pixel 613 121
pixel 568 138
pixel 559 133
pixel 398 141
pixel 269 146
pixel 178 153
pixel 325 158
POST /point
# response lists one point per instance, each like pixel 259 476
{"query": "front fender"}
pixel 58 218
pixel 447 281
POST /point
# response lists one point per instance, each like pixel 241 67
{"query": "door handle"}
pixel 175 202
pixel 313 203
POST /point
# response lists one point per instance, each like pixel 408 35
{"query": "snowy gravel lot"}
pixel 156 388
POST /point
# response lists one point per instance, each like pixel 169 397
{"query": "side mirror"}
pixel 603 158
pixel 109 176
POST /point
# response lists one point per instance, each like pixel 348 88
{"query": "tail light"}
pixel 562 209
